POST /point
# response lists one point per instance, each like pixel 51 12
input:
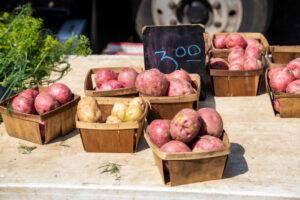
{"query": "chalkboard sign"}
pixel 170 48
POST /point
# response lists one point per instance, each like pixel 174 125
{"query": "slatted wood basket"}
pixel 185 168
pixel 167 107
pixel 123 92
pixel 58 122
pixel 289 103
pixel 227 83
pixel 282 55
pixel 114 138
pixel 220 53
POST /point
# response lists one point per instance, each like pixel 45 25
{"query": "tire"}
pixel 256 15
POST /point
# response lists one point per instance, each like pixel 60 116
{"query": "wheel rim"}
pixel 216 15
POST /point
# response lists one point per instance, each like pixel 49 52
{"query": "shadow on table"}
pixel 66 137
pixel 236 163
pixel 209 101
pixel 262 85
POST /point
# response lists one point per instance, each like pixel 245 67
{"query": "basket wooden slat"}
pixel 115 138
pixel 282 55
pixel 185 168
pixel 123 92
pixel 58 122
pixel 227 83
pixel 289 103
pixel 167 107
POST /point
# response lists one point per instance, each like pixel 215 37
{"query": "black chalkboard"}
pixel 169 48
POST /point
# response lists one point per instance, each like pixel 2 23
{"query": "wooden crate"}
pixel 185 168
pixel 167 107
pixel 58 122
pixel 289 103
pixel 123 92
pixel 227 83
pixel 114 138
pixel 282 55
pixel 219 53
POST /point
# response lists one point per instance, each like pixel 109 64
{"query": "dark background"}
pixel 114 20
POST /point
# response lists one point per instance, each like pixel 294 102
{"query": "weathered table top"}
pixel 264 162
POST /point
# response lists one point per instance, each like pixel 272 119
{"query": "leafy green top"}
pixel 29 53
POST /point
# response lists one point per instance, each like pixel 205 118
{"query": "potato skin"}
pixel 208 143
pixel 88 110
pixel 212 123
pixel 152 83
pixel 159 132
pixel 180 87
pixel 185 125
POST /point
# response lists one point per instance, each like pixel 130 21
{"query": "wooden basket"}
pixel 167 107
pixel 58 122
pixel 123 92
pixel 115 138
pixel 289 103
pixel 185 168
pixel 282 55
pixel 227 83
pixel 219 53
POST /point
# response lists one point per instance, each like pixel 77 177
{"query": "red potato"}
pixel 127 77
pixel 23 105
pixel 236 66
pixel 252 64
pixel 239 61
pixel 60 92
pixel 280 79
pixel 181 74
pixel 294 65
pixel 293 87
pixel 42 129
pixel 276 105
pixel 220 41
pixel 185 125
pixel 212 123
pixel 174 146
pixel 110 85
pixel 104 75
pixel 235 39
pixel 218 63
pixel 45 102
pixel 275 70
pixel 159 132
pixel 152 83
pixel 253 42
pixel 29 94
pixel 180 87
pixel 252 52
pixel 208 143
pixel 235 54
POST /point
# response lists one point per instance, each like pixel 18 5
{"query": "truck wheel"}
pixel 216 15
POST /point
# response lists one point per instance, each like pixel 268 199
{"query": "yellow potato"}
pixel 113 119
pixel 88 110
pixel 133 113
pixel 118 110
pixel 138 101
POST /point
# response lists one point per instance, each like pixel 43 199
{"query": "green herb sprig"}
pixel 112 168
pixel 26 149
pixel 29 53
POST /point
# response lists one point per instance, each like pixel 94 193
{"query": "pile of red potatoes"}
pixel 149 82
pixel 188 131
pixel 245 53
pixel 107 79
pixel 285 80
pixel 30 101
